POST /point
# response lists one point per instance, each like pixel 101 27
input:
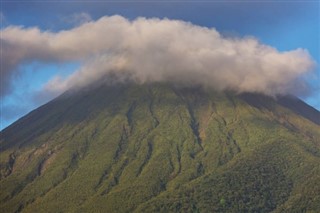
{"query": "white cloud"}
pixel 77 18
pixel 148 50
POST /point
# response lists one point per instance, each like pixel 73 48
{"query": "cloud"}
pixel 2 17
pixel 77 18
pixel 156 50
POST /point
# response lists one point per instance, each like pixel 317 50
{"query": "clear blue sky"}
pixel 285 25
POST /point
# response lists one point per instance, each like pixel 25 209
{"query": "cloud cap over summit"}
pixel 156 50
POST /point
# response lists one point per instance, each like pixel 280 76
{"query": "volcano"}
pixel 162 148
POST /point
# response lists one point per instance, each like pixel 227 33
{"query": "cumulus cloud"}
pixel 156 50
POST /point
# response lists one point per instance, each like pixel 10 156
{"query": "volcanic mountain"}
pixel 162 148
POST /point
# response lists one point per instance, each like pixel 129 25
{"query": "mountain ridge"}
pixel 159 148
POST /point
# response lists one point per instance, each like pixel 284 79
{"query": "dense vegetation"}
pixel 160 148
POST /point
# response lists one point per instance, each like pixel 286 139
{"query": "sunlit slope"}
pixel 157 147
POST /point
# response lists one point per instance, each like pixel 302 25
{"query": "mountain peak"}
pixel 162 148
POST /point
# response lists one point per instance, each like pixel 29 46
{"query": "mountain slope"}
pixel 151 148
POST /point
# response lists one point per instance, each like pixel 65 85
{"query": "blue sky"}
pixel 285 25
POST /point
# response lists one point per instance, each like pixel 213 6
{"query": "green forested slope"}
pixel 152 148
